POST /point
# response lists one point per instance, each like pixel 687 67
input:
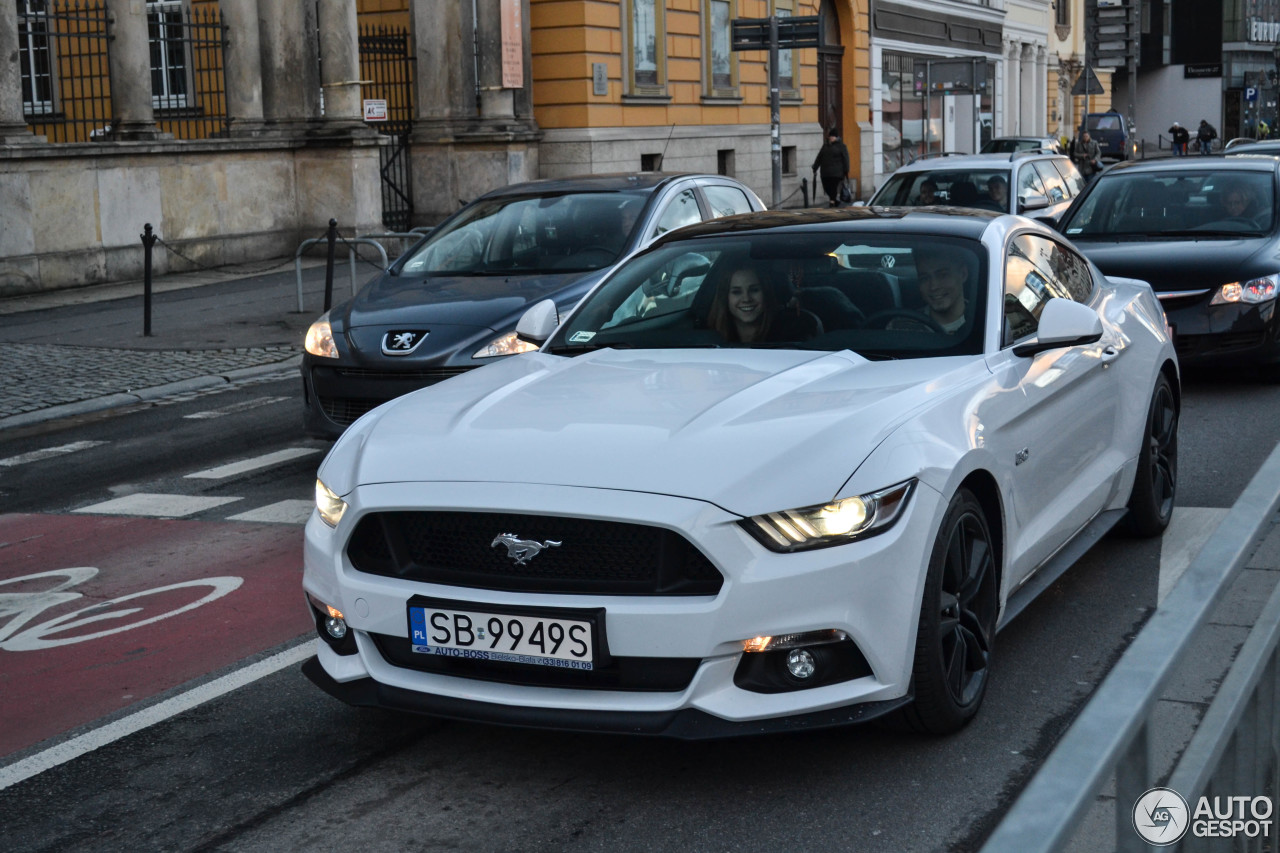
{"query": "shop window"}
pixel 788 159
pixel 725 162
pixel 651 162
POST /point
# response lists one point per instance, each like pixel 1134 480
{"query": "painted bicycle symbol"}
pixel 19 609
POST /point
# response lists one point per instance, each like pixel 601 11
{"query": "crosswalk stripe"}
pixel 235 407
pixel 155 505
pixel 281 512
pixel 48 453
pixel 246 465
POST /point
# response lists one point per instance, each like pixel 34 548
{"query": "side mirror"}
pixel 538 323
pixel 1033 202
pixel 1063 323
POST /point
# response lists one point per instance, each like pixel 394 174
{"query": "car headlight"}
pixel 329 505
pixel 830 524
pixel 1253 291
pixel 507 344
pixel 320 338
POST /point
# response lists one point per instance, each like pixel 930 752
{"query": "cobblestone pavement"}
pixel 37 376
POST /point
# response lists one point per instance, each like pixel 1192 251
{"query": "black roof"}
pixel 1197 164
pixel 611 182
pixel 952 221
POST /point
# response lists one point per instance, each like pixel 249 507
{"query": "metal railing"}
pixel 65 57
pixel 1114 732
pixel 406 239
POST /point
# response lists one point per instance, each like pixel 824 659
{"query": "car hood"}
pixel 751 431
pixel 1182 263
pixel 488 301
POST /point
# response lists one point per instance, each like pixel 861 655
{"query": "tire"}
pixel 1155 484
pixel 958 615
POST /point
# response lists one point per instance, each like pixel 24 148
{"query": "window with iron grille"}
pixel 35 58
pixel 170 82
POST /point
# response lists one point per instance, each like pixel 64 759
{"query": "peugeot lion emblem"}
pixel 521 550
pixel 402 341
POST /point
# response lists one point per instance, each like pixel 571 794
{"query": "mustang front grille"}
pixel 509 551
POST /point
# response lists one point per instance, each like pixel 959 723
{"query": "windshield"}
pixel 985 189
pixel 880 296
pixel 1204 202
pixel 575 232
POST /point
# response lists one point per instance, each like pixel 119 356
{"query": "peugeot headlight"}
pixel 329 505
pixel 1252 292
pixel 507 344
pixel 320 338
pixel 830 524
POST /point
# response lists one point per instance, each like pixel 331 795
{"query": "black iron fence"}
pixel 386 72
pixel 64 50
pixel 64 54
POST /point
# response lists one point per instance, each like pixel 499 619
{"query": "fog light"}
pixel 800 663
pixel 336 627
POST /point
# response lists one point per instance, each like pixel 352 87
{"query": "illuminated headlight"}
pixel 507 344
pixel 1253 291
pixel 320 338
pixel 830 524
pixel 330 506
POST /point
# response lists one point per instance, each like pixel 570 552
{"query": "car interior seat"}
pixel 964 193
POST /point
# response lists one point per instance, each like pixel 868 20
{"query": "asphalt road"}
pixel 277 765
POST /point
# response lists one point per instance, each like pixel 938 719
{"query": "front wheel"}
pixel 1155 483
pixel 957 622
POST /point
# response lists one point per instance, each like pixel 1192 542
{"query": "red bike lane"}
pixel 234 589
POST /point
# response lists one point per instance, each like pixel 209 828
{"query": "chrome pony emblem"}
pixel 402 342
pixel 521 550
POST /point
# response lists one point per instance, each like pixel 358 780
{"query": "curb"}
pixel 146 395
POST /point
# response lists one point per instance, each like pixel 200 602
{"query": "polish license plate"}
pixel 523 635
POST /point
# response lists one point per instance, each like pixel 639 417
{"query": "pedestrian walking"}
pixel 1205 135
pixel 1181 136
pixel 1087 156
pixel 832 165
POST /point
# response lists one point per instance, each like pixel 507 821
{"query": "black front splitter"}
pixel 685 724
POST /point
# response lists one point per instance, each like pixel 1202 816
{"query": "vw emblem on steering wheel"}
pixel 887 260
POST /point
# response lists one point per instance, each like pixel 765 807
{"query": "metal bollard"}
pixel 328 266
pixel 804 192
pixel 148 240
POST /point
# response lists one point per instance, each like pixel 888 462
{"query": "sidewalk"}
pixel 76 351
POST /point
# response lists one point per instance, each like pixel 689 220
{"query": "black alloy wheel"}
pixel 1155 483
pixel 957 622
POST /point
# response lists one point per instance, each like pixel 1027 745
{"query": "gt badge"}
pixel 402 341
pixel 521 550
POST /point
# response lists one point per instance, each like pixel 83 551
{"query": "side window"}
pixel 1029 183
pixel 725 201
pixel 681 210
pixel 1030 280
pixel 1071 175
pixel 1054 186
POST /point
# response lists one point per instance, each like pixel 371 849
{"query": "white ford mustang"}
pixel 781 470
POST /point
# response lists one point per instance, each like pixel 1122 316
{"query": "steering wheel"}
pixel 881 319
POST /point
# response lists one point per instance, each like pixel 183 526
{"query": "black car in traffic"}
pixel 1205 234
pixel 451 302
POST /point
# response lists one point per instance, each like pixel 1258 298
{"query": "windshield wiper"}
pixel 577 349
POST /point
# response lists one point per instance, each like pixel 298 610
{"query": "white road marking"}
pixel 245 465
pixel 236 407
pixel 161 711
pixel 156 505
pixel 1188 530
pixel 48 453
pixel 282 512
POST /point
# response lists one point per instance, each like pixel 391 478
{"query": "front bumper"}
pixel 1204 332
pixel 335 395
pixel 868 589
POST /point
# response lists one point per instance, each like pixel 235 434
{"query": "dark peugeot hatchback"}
pixel 451 302
pixel 1204 233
